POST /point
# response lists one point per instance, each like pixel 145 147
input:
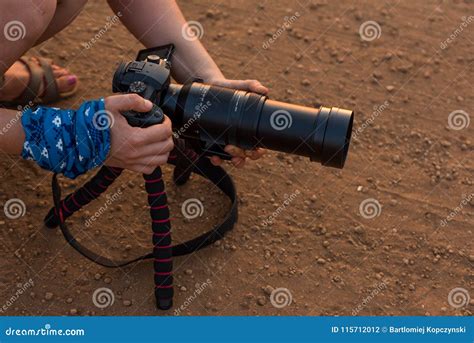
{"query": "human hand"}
pixel 239 155
pixel 134 148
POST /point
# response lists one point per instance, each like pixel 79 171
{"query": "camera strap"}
pixel 185 162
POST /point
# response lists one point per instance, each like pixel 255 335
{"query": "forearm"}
pixel 12 135
pixel 160 22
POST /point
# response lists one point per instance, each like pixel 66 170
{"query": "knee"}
pixel 27 19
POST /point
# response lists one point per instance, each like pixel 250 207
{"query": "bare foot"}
pixel 18 77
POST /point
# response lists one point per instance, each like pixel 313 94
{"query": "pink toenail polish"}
pixel 71 80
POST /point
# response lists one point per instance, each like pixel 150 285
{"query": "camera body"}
pixel 210 117
pixel 148 79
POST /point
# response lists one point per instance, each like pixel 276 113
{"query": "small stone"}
pixel 127 303
pixel 377 75
pixel 188 272
pixel 445 144
pixel 97 276
pixel 73 312
pixel 48 296
pixel 107 280
pixel 390 88
pixel 261 301
pixel 359 188
pixel 268 290
pixel 321 261
pixel 69 300
pixel 305 82
pixel 396 159
pixel 325 244
pixel 183 289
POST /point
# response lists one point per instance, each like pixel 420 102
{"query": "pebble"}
pixel 127 303
pixel 321 261
pixel 69 300
pixel 268 290
pixel 188 272
pixel 445 144
pixel 183 289
pixel 261 301
pixel 107 280
pixel 48 296
pixel 396 159
pixel 305 82
pixel 325 244
pixel 390 88
pixel 97 276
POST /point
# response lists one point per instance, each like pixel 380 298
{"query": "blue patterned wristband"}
pixel 70 142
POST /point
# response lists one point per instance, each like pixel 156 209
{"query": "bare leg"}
pixel 66 12
pixel 24 22
pixel 17 75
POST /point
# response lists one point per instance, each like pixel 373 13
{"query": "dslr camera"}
pixel 210 117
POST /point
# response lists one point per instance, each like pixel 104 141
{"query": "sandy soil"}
pixel 321 247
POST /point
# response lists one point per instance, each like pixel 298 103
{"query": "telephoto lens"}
pixel 248 120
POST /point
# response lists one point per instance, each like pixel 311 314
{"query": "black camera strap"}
pixel 106 176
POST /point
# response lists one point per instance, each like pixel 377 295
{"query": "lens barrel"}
pixel 249 120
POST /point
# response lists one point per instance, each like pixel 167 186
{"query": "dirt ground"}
pixel 390 234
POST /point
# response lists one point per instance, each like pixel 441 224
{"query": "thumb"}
pixel 128 102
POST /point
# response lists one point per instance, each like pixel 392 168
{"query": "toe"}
pixel 66 83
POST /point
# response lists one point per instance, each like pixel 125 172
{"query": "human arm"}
pixel 161 22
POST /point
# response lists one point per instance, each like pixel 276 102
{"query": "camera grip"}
pixel 145 119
